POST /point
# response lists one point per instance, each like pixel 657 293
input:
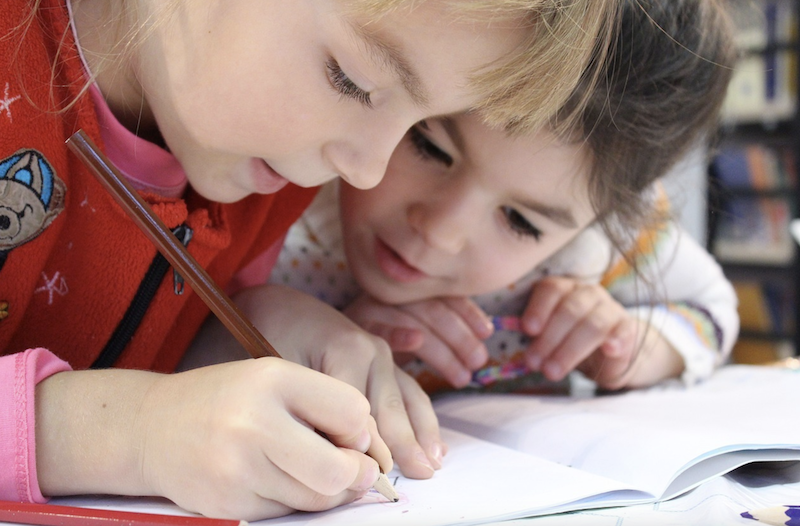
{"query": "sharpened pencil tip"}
pixel 385 488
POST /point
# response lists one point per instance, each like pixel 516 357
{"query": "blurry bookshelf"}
pixel 753 180
pixel 763 88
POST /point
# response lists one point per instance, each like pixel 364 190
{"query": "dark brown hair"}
pixel 665 79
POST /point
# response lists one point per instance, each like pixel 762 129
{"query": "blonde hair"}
pixel 121 15
pixel 566 44
pixel 521 93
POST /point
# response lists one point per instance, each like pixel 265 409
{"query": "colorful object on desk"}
pixel 507 323
pixel 496 373
pixel 509 370
pixel 180 258
pixel 788 515
pixel 55 515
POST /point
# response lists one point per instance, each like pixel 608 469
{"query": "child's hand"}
pixel 578 325
pixel 307 331
pixel 248 440
pixel 231 440
pixel 654 360
pixel 445 333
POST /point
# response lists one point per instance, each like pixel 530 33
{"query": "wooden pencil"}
pixel 56 515
pixel 172 249
pixel 180 258
pixel 787 515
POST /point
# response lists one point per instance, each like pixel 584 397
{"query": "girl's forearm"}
pixel 89 432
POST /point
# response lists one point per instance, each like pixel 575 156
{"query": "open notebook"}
pixel 514 456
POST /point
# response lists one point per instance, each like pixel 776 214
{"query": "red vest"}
pixel 72 260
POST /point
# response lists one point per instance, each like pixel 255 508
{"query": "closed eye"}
pixel 519 225
pixel 344 86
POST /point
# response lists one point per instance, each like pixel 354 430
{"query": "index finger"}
pixel 472 314
pixel 393 410
pixel 329 405
pixel 454 330
pixel 544 298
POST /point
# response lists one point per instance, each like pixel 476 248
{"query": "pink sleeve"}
pixel 19 374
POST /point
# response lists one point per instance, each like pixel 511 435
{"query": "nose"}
pixel 445 221
pixel 361 159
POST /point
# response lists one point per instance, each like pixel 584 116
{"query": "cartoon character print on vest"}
pixel 31 196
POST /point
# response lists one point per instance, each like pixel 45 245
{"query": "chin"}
pixel 395 295
pixel 219 194
pixel 378 286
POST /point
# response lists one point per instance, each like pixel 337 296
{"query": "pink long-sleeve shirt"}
pixel 19 374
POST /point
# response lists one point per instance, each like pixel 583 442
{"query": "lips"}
pixel 394 266
pixel 265 179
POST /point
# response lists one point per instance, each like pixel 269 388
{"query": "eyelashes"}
pixel 428 151
pixel 519 224
pixel 344 86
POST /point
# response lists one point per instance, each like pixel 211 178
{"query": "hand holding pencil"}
pixel 238 439
pixel 413 435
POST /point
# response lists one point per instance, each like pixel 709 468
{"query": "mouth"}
pixel 394 266
pixel 265 179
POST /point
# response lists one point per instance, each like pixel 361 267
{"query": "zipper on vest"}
pixel 184 237
pixel 141 302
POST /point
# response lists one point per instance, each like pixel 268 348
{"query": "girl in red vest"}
pixel 224 115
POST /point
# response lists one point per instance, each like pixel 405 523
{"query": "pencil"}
pixel 172 249
pixel 56 515
pixel 788 515
pixel 180 258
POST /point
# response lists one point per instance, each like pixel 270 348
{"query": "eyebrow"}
pixel 557 214
pixel 393 57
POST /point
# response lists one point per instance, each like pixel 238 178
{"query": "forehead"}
pixel 538 164
pixel 431 41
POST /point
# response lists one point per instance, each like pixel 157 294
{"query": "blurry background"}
pixel 741 204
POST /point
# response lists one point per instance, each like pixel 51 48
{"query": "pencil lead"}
pixel 385 488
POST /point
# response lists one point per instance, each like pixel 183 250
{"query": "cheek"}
pixel 369 207
pixel 497 266
pixel 250 114
pixel 362 218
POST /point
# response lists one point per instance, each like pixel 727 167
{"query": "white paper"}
pixel 513 456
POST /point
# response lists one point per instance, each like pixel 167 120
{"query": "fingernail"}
pixel 532 325
pixel 463 378
pixel 534 362
pixel 488 327
pixel 478 357
pixel 436 455
pixel 422 458
pixel 364 441
pixel 552 371
pixel 612 347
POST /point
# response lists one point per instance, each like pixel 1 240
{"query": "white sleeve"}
pixel 683 293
